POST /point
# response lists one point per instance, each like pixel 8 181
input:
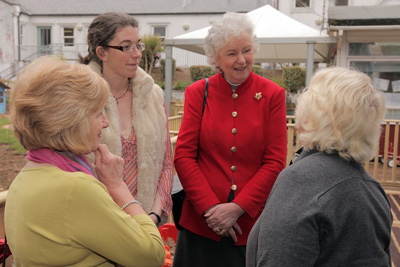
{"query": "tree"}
pixel 154 45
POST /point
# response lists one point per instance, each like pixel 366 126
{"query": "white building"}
pixel 30 28
pixel 367 31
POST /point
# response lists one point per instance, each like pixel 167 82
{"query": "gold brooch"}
pixel 258 96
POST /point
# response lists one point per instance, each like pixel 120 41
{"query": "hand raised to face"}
pixel 109 167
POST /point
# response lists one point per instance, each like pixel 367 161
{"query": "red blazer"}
pixel 257 132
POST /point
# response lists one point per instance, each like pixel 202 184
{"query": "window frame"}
pixel 64 37
pixel 22 29
pixel 304 7
pixel 159 25
pixel 346 4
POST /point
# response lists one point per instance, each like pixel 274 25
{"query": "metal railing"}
pixel 30 53
pixel 17 66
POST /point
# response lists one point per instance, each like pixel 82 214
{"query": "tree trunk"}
pixel 151 64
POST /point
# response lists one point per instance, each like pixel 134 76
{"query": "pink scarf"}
pixel 66 161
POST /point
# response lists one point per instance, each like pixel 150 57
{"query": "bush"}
pixel 161 84
pixel 179 85
pixel 162 63
pixel 154 45
pixel 200 72
pixel 279 81
pixel 294 78
pixel 257 69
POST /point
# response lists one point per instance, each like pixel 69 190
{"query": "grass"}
pixel 7 137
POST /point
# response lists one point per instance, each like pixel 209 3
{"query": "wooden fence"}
pixel 174 123
pixel 383 167
pixel 176 107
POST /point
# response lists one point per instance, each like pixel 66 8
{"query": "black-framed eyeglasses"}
pixel 129 48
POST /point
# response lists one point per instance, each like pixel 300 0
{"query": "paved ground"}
pixel 178 94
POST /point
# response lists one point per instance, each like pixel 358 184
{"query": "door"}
pixel 44 41
pixel 2 101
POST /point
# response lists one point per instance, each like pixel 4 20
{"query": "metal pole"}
pixel 168 77
pixel 310 61
pixel 19 38
pixel 16 24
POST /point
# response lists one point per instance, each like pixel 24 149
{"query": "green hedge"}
pixel 161 84
pixel 294 78
pixel 201 72
pixel 162 63
pixel 257 70
pixel 180 85
pixel 279 81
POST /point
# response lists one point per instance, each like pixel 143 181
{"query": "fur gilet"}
pixel 149 122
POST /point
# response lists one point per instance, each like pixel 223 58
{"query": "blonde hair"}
pixel 52 102
pixel 341 111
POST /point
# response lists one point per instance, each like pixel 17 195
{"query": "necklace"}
pixel 233 85
pixel 118 98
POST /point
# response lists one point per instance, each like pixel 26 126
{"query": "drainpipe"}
pixel 310 61
pixel 16 14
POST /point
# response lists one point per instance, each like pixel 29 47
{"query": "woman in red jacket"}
pixel 229 158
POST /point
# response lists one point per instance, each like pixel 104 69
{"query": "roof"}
pixel 364 12
pixel 4 86
pixel 286 43
pixel 134 7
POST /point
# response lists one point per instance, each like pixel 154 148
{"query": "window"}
pixel 302 3
pixel 21 34
pixel 160 31
pixel 385 76
pixel 44 40
pixel 341 2
pixel 374 49
pixel 44 36
pixel 69 36
pixel 380 60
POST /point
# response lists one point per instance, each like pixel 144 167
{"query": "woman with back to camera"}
pixel 228 159
pixel 59 212
pixel 325 209
pixel 136 111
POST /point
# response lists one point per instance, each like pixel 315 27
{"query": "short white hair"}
pixel 230 25
pixel 341 111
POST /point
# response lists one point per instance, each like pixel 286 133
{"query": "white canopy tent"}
pixel 282 39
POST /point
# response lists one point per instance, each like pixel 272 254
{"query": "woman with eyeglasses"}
pixel 136 110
